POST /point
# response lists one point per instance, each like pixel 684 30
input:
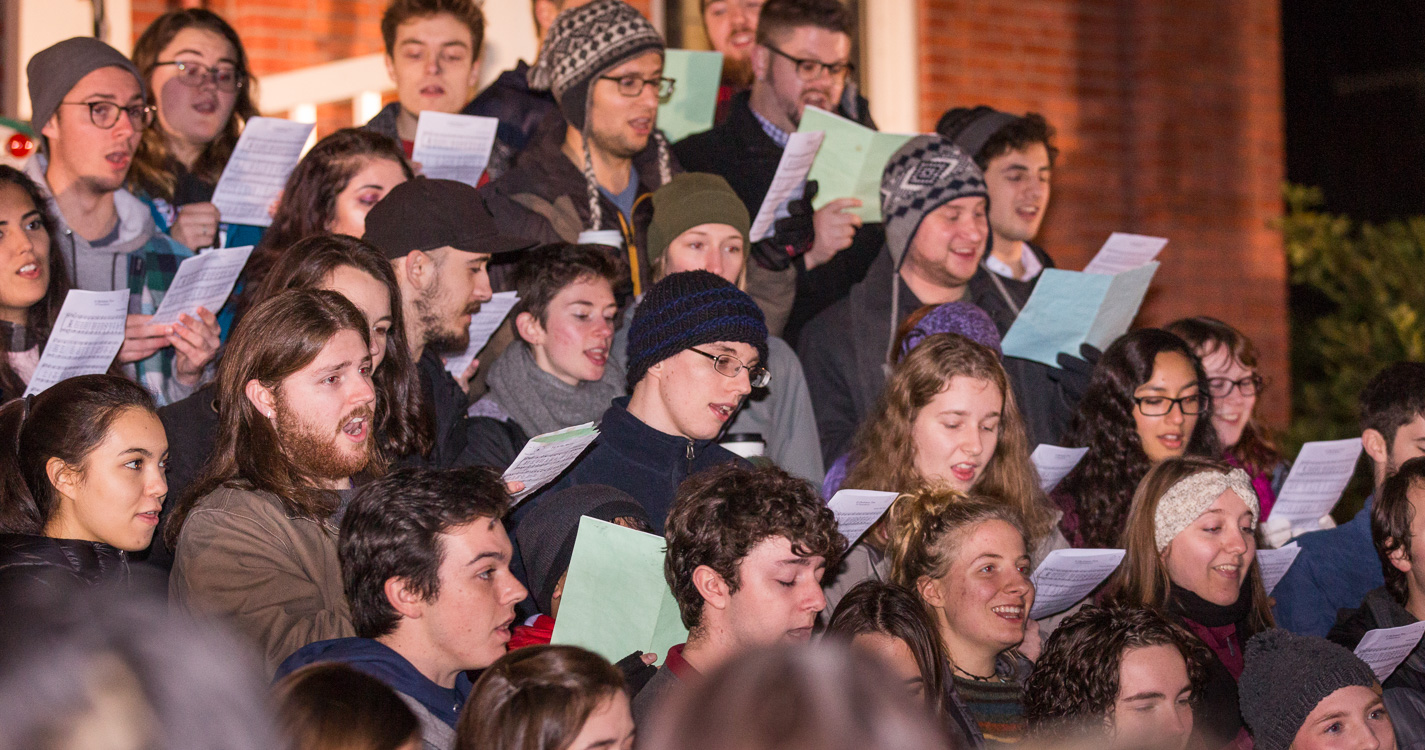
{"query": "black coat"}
pixel 519 108
pixel 27 559
pixel 742 152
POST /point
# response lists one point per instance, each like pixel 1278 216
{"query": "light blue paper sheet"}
pixel 1072 308
pixel 698 76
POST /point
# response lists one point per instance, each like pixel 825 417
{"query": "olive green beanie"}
pixel 691 199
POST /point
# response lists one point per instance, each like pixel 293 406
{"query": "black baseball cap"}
pixel 426 214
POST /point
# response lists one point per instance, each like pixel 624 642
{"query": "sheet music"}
pixel 788 183
pixel 483 325
pixel 1318 477
pixel 1274 563
pixel 1384 649
pixel 1054 463
pixel 87 336
pixel 266 153
pixel 454 147
pixel 858 510
pixel 547 456
pixel 204 280
pixel 1125 252
pixel 1068 575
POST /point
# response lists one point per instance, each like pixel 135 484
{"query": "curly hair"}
pixel 1101 487
pixel 536 698
pixel 544 271
pixel 1392 517
pixel 1142 580
pixel 1075 682
pixel 1255 450
pixel 719 515
pixel 1016 136
pixel 926 531
pixel 877 608
pixel 885 448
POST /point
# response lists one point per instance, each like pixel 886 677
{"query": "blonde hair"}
pixel 884 452
pixel 926 528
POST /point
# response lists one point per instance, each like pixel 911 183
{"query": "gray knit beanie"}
pixel 581 45
pixel 54 70
pixel 925 174
pixel 1285 676
pixel 547 534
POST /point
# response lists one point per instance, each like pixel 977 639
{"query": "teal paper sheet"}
pixel 1071 308
pixel 850 161
pixel 698 76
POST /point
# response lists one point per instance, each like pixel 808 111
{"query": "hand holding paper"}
pixel 266 153
pixel 204 280
pixel 1068 575
pixel 483 325
pixel 546 456
pixel 1318 477
pixel 454 147
pixel 850 161
pixel 787 183
pixel 86 337
pixel 1068 309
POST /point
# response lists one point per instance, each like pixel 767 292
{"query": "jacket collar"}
pixel 743 126
pixel 632 437
pixel 385 664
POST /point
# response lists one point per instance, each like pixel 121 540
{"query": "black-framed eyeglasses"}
pixel 728 365
pixel 1158 406
pixel 106 114
pixel 226 77
pixel 1248 386
pixel 632 86
pixel 809 70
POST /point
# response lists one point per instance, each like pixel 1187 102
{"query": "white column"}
pixel 892 75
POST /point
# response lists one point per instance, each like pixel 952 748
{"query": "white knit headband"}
pixel 1185 501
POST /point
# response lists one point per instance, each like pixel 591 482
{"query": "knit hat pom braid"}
pixel 923 175
pixel 1286 676
pixel 689 309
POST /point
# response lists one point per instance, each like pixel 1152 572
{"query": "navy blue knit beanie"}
pixel 689 309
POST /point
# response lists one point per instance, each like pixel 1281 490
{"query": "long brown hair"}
pixel 885 450
pixel 1142 580
pixel 39 319
pixel 280 336
pixel 152 172
pixel 535 698
pixel 1255 450
pixel 405 423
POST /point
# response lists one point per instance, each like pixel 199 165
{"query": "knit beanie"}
pixel 963 318
pixel 547 533
pixel 581 45
pixel 690 309
pixel 1187 500
pixel 1286 676
pixel 925 174
pixel 689 200
pixel 973 129
pixel 54 70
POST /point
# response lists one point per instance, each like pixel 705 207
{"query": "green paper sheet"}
pixel 1071 308
pixel 850 162
pixel 616 600
pixel 698 76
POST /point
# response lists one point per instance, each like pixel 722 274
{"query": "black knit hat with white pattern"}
pixel 584 42
pixel 925 174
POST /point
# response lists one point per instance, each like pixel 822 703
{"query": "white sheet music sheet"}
pixel 1068 575
pixel 1054 463
pixel 1274 563
pixel 858 510
pixel 87 336
pixel 1318 477
pixel 454 147
pixel 788 182
pixel 205 280
pixel 1384 649
pixel 1125 252
pixel 266 153
pixel 546 456
pixel 483 325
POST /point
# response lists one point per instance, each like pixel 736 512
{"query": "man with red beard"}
pixel 802 58
pixel 90 110
pixel 746 552
pixel 255 539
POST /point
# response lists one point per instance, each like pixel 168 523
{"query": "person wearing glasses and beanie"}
pixel 695 349
pixel 588 181
pixel 802 57
pixel 90 111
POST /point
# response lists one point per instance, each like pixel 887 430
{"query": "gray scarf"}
pixel 540 402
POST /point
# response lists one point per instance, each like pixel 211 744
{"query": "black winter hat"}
pixel 547 534
pixel 1285 676
pixel 690 309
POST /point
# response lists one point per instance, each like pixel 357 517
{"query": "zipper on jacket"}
pixel 690 452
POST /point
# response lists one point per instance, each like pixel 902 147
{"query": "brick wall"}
pixel 1170 123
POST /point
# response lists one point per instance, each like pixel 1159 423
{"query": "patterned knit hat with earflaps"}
pixel 582 44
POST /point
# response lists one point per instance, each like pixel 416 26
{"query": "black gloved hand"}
pixel 636 674
pixel 791 236
pixel 1074 372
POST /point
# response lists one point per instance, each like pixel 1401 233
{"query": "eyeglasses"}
pixel 1158 406
pixel 106 114
pixel 226 77
pixel 809 70
pixel 1248 386
pixel 631 86
pixel 728 365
